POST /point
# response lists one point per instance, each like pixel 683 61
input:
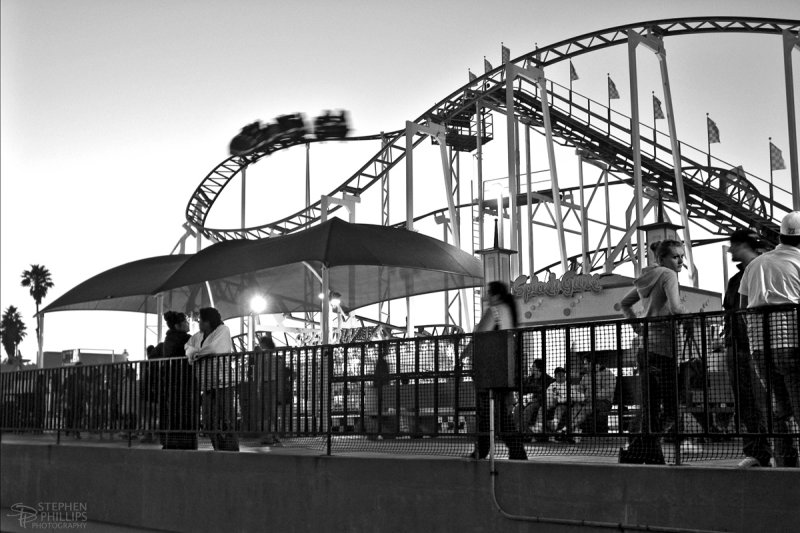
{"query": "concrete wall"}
pixel 207 491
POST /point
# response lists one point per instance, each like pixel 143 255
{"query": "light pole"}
pixel 257 306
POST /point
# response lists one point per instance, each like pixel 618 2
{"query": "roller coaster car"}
pixel 291 127
pixel 245 142
pixel 331 126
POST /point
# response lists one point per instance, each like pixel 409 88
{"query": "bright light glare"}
pixel 258 304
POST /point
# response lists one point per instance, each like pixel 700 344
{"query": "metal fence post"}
pixel 327 356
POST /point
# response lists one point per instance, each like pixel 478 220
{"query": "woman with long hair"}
pixel 658 291
pixel 501 314
pixel 218 401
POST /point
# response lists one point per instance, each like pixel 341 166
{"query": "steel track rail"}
pixel 491 83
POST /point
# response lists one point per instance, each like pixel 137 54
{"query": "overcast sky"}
pixel 114 110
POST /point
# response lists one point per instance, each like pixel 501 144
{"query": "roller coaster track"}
pixel 710 196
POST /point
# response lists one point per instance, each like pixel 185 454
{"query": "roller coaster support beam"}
pixel 244 201
pixel 348 202
pixel 585 266
pixel 479 155
pixel 436 131
pixel 384 307
pixel 656 44
pixel 791 41
pixel 534 75
pixel 586 157
pixel 528 191
pixel 634 39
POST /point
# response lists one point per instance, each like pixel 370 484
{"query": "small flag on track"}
pixel 472 77
pixel 775 158
pixel 713 131
pixel 505 54
pixel 657 111
pixel 572 74
pixel 486 65
pixel 613 94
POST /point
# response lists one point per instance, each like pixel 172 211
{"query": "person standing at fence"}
pixel 658 290
pixel 148 394
pixel 178 387
pixel 218 402
pixel 75 400
pixel 769 280
pixel 745 246
pixel 500 315
pixel 267 382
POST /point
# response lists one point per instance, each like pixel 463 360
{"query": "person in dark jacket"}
pixel 501 314
pixel 533 387
pixel 745 246
pixel 178 391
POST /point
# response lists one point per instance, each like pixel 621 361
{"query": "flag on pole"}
pixel 505 54
pixel 613 94
pixel 657 112
pixel 486 65
pixel 713 131
pixel 572 74
pixel 775 158
pixel 472 77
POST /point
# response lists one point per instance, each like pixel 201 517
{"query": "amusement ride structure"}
pixel 626 169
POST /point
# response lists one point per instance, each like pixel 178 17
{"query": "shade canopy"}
pixel 366 264
pixel 131 287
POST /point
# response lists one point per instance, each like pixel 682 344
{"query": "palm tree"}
pixel 39 281
pixel 12 331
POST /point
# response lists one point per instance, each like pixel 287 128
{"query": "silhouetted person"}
pixel 178 401
pixel 501 314
pixel 774 279
pixel 218 401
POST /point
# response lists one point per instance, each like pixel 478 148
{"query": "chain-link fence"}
pixel 693 387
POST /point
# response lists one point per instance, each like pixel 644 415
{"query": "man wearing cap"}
pixel 769 280
pixel 745 246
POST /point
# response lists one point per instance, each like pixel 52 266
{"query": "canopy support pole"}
pixel 326 306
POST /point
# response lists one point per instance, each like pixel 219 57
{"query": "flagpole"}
pixel 570 88
pixel 655 134
pixel 708 143
pixel 608 93
pixel 771 184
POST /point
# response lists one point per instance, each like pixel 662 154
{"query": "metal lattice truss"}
pixel 576 121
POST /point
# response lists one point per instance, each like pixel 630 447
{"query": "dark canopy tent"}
pixel 132 287
pixel 365 263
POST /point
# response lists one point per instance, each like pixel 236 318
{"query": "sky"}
pixel 112 112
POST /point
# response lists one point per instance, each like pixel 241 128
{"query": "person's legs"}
pixel 509 432
pixel 645 448
pixel 579 413
pixel 559 416
pixel 482 412
pixel 786 379
pixel 226 403
pixel 742 380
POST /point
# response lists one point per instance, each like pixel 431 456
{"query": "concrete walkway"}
pixel 590 451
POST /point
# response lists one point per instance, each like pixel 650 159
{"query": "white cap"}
pixel 790 225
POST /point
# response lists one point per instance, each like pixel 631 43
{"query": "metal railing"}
pixel 700 386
